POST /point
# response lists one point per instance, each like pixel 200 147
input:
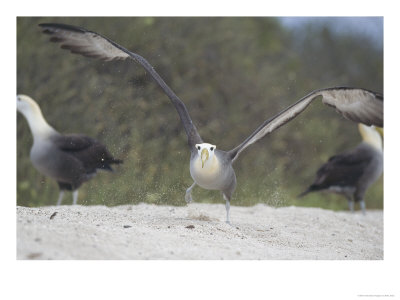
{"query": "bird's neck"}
pixel 375 142
pixel 371 137
pixel 39 127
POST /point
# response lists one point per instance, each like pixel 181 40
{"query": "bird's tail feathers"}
pixel 301 195
pixel 312 188
pixel 308 190
pixel 116 161
pixel 107 166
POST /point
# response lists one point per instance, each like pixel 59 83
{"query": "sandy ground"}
pixel 197 231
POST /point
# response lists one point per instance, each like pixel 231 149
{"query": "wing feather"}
pixel 358 105
pixel 81 41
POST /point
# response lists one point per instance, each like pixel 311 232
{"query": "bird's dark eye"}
pixel 198 147
pixel 212 148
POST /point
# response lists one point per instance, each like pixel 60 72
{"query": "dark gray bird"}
pixel 352 172
pixel 211 168
pixel 69 159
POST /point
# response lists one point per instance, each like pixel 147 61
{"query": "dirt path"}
pixel 197 231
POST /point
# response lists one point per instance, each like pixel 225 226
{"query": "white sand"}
pixel 164 232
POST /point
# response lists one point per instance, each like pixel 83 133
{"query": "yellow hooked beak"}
pixel 204 156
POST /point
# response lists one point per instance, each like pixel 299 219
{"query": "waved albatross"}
pixel 69 159
pixel 210 167
pixel 352 172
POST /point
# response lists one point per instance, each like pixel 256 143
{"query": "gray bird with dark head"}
pixel 210 167
pixel 352 172
pixel 69 159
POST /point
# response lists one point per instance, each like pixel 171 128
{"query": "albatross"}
pixel 212 168
pixel 70 159
pixel 352 172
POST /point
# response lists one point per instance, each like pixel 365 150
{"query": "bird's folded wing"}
pixel 73 142
pixel 343 169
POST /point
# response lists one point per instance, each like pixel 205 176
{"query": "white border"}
pixel 197 279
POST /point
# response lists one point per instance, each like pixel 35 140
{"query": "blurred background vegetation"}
pixel 232 74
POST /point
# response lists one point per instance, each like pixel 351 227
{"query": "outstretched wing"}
pixel 91 44
pixel 358 105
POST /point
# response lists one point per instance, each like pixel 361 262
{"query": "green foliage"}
pixel 232 74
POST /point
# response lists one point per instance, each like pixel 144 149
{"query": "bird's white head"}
pixel 31 111
pixel 26 105
pixel 206 152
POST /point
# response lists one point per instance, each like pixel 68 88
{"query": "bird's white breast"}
pixel 209 176
pixel 40 155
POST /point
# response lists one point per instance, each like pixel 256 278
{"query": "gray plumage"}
pixel 211 168
pixel 352 172
pixel 69 159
